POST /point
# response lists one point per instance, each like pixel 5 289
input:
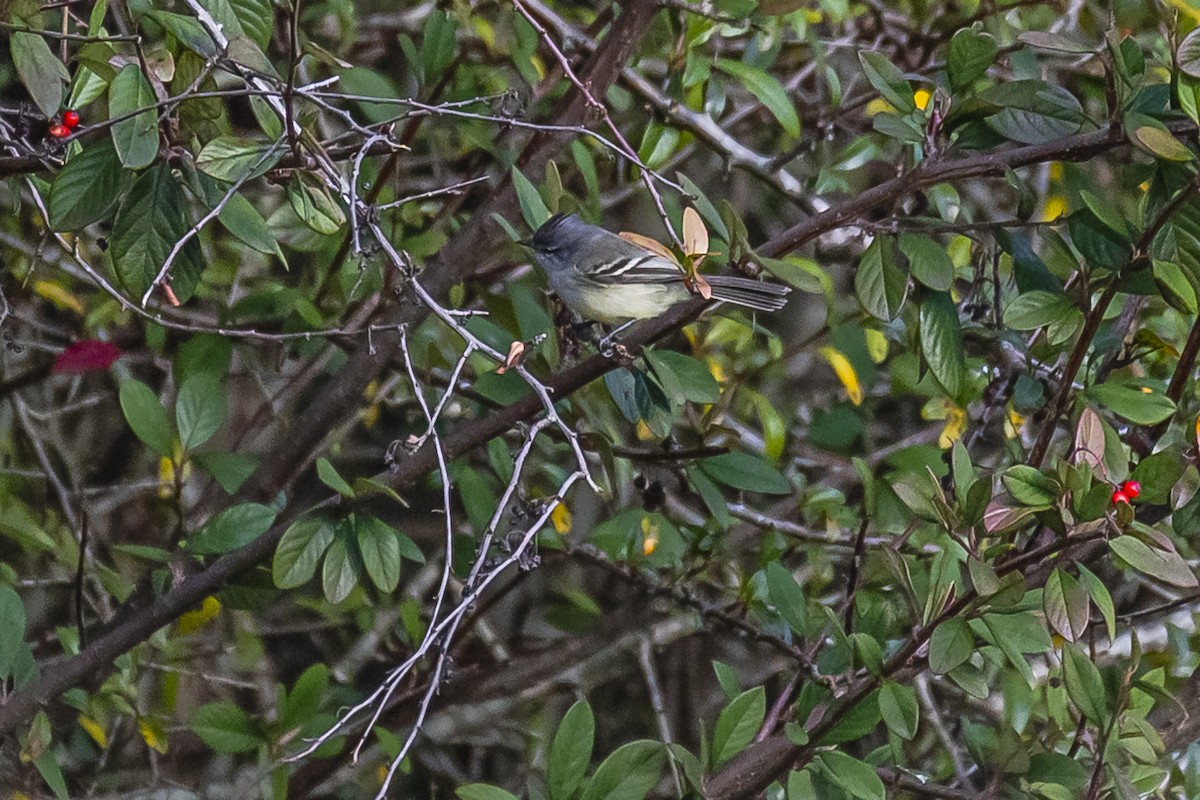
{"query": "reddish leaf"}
pixel 89 355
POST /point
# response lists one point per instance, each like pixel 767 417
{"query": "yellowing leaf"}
pixel 845 372
pixel 94 730
pixel 59 296
pixel 921 97
pixel 878 106
pixel 644 433
pixel 1188 7
pixel 695 235
pixel 153 734
pixel 956 423
pixel 194 620
pixel 717 371
pixel 1013 424
pixel 166 478
pixel 1056 206
pixel 370 415
pixel 560 517
pixel 649 537
pixel 877 346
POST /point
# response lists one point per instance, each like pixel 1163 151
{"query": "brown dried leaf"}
pixel 516 351
pixel 646 243
pixel 695 235
pixel 1089 439
pixel 699 286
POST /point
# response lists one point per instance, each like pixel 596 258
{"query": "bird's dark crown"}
pixel 544 237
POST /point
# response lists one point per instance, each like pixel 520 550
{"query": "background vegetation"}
pixel 307 489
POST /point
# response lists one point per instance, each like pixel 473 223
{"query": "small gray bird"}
pixel 606 278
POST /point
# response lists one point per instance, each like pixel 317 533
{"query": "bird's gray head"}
pixel 558 242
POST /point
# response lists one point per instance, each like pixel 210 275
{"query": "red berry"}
pixel 70 118
pixel 1131 488
pixel 60 131
pixel 1120 497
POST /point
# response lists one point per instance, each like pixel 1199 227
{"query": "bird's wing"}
pixel 643 267
pixel 632 263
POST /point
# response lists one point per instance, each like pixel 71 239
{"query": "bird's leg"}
pixel 609 345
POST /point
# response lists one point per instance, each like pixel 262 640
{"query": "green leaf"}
pixel 951 644
pixel 187 30
pixel 439 46
pixel 1107 213
pixel 855 777
pixel 226 728
pixel 1162 143
pixel 1032 310
pixel 299 552
pixel 39 69
pixel 767 88
pixel 881 286
pixel 1174 286
pixel 1065 605
pixel 738 723
pixel 898 705
pixel 12 632
pixel 1084 686
pixel 970 55
pixel 87 188
pixel 787 596
pixel 1102 598
pixel 941 341
pixel 1189 54
pixel 234 159
pixel 242 219
pixel 331 478
pixel 1030 486
pixel 571 751
pixel 928 261
pixel 146 417
pixel 1158 474
pixel 746 472
pixel 483 791
pixel 304 700
pixel 1165 565
pixel 136 138
pixel 1033 112
pixel 229 469
pixel 1098 243
pixel 232 528
pixel 533 207
pixel 1136 404
pixel 313 204
pixel 1055 43
pixel 199 410
pixel 151 220
pixel 629 773
pixel 380 550
pixel 47 766
pixel 887 80
pixel 257 19
pixel 683 377
pixel 340 574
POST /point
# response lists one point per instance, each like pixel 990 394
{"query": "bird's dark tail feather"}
pixel 746 292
